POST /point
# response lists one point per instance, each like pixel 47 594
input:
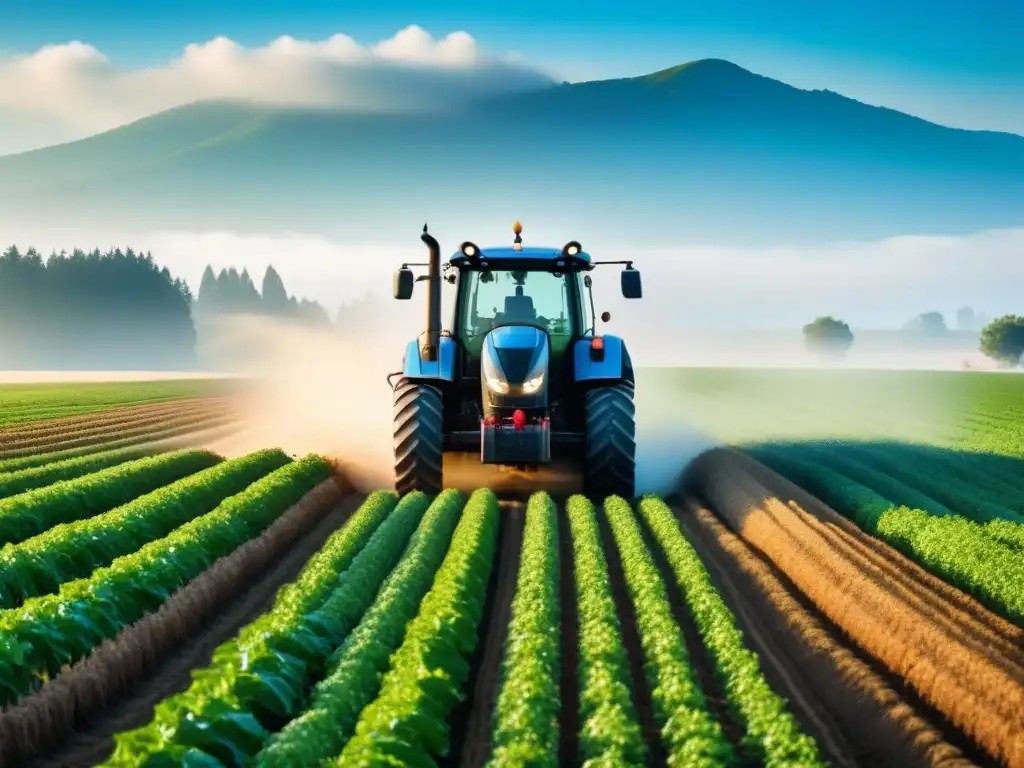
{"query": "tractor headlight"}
pixel 493 375
pixel 497 385
pixel 532 385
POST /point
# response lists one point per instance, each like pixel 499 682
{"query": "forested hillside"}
pixel 119 310
pixel 92 310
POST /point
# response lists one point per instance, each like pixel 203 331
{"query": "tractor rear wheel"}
pixel 418 437
pixel 610 456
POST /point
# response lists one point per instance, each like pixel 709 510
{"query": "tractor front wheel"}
pixel 610 456
pixel 418 437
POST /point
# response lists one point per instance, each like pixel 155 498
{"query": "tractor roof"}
pixel 541 255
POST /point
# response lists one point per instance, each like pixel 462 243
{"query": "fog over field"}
pixel 872 285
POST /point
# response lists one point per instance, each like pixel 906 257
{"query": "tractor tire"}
pixel 610 455
pixel 418 438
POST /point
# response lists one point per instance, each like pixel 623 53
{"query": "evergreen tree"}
pixel 275 297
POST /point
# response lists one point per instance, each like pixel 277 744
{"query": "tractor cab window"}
pixel 498 297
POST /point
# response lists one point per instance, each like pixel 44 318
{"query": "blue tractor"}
pixel 522 375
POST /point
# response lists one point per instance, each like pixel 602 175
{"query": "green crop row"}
pixel 609 728
pixel 260 678
pixel 968 555
pixel 407 722
pixel 44 634
pixel 33 512
pixel 39 565
pixel 690 733
pixel 357 666
pixel 12 483
pixel 526 716
pixel 772 734
pixel 321 574
pixel 943 481
pixel 904 484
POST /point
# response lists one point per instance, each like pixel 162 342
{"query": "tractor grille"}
pixel 516 363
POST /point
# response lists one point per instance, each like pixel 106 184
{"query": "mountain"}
pixel 706 151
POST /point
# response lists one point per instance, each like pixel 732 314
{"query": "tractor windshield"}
pixel 491 298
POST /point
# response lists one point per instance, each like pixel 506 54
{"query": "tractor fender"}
pixel 616 365
pixel 442 369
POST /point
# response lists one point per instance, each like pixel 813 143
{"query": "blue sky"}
pixel 959 62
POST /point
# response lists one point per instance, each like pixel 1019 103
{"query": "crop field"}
pixel 66 430
pixel 838 580
pixel 35 402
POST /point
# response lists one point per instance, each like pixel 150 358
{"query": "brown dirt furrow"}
pixel 72 720
pixel 631 641
pixel 1005 655
pixel 972 615
pixel 472 720
pixel 856 717
pixel 125 428
pixel 103 418
pixel 47 445
pixel 990 635
pixel 569 715
pixel 967 686
pixel 57 435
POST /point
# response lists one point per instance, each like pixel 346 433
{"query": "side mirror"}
pixel 404 282
pixel 606 316
pixel 631 285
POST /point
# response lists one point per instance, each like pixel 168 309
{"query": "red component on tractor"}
pixel 519 419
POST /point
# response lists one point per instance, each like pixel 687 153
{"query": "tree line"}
pixel 1001 339
pixel 97 309
pixel 117 309
pixel 233 292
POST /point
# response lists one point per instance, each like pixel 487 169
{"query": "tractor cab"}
pixel 521 370
pixel 508 288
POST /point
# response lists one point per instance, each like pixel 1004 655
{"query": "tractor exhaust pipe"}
pixel 432 339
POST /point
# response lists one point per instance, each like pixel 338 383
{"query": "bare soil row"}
pixel 199 414
pixel 117 415
pixel 114 424
pixel 886 663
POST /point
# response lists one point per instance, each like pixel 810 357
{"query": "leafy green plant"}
pixel 39 565
pixel 259 679
pixel 13 483
pixel 526 716
pixel 609 728
pixel 357 666
pixel 773 736
pixel 689 731
pixel 407 723
pixel 29 514
pixel 40 637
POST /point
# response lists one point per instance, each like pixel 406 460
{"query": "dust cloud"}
pixel 309 391
pixel 324 391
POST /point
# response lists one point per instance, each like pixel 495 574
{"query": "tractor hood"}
pixel 514 359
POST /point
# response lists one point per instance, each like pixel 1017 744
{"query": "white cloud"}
pixel 78 89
